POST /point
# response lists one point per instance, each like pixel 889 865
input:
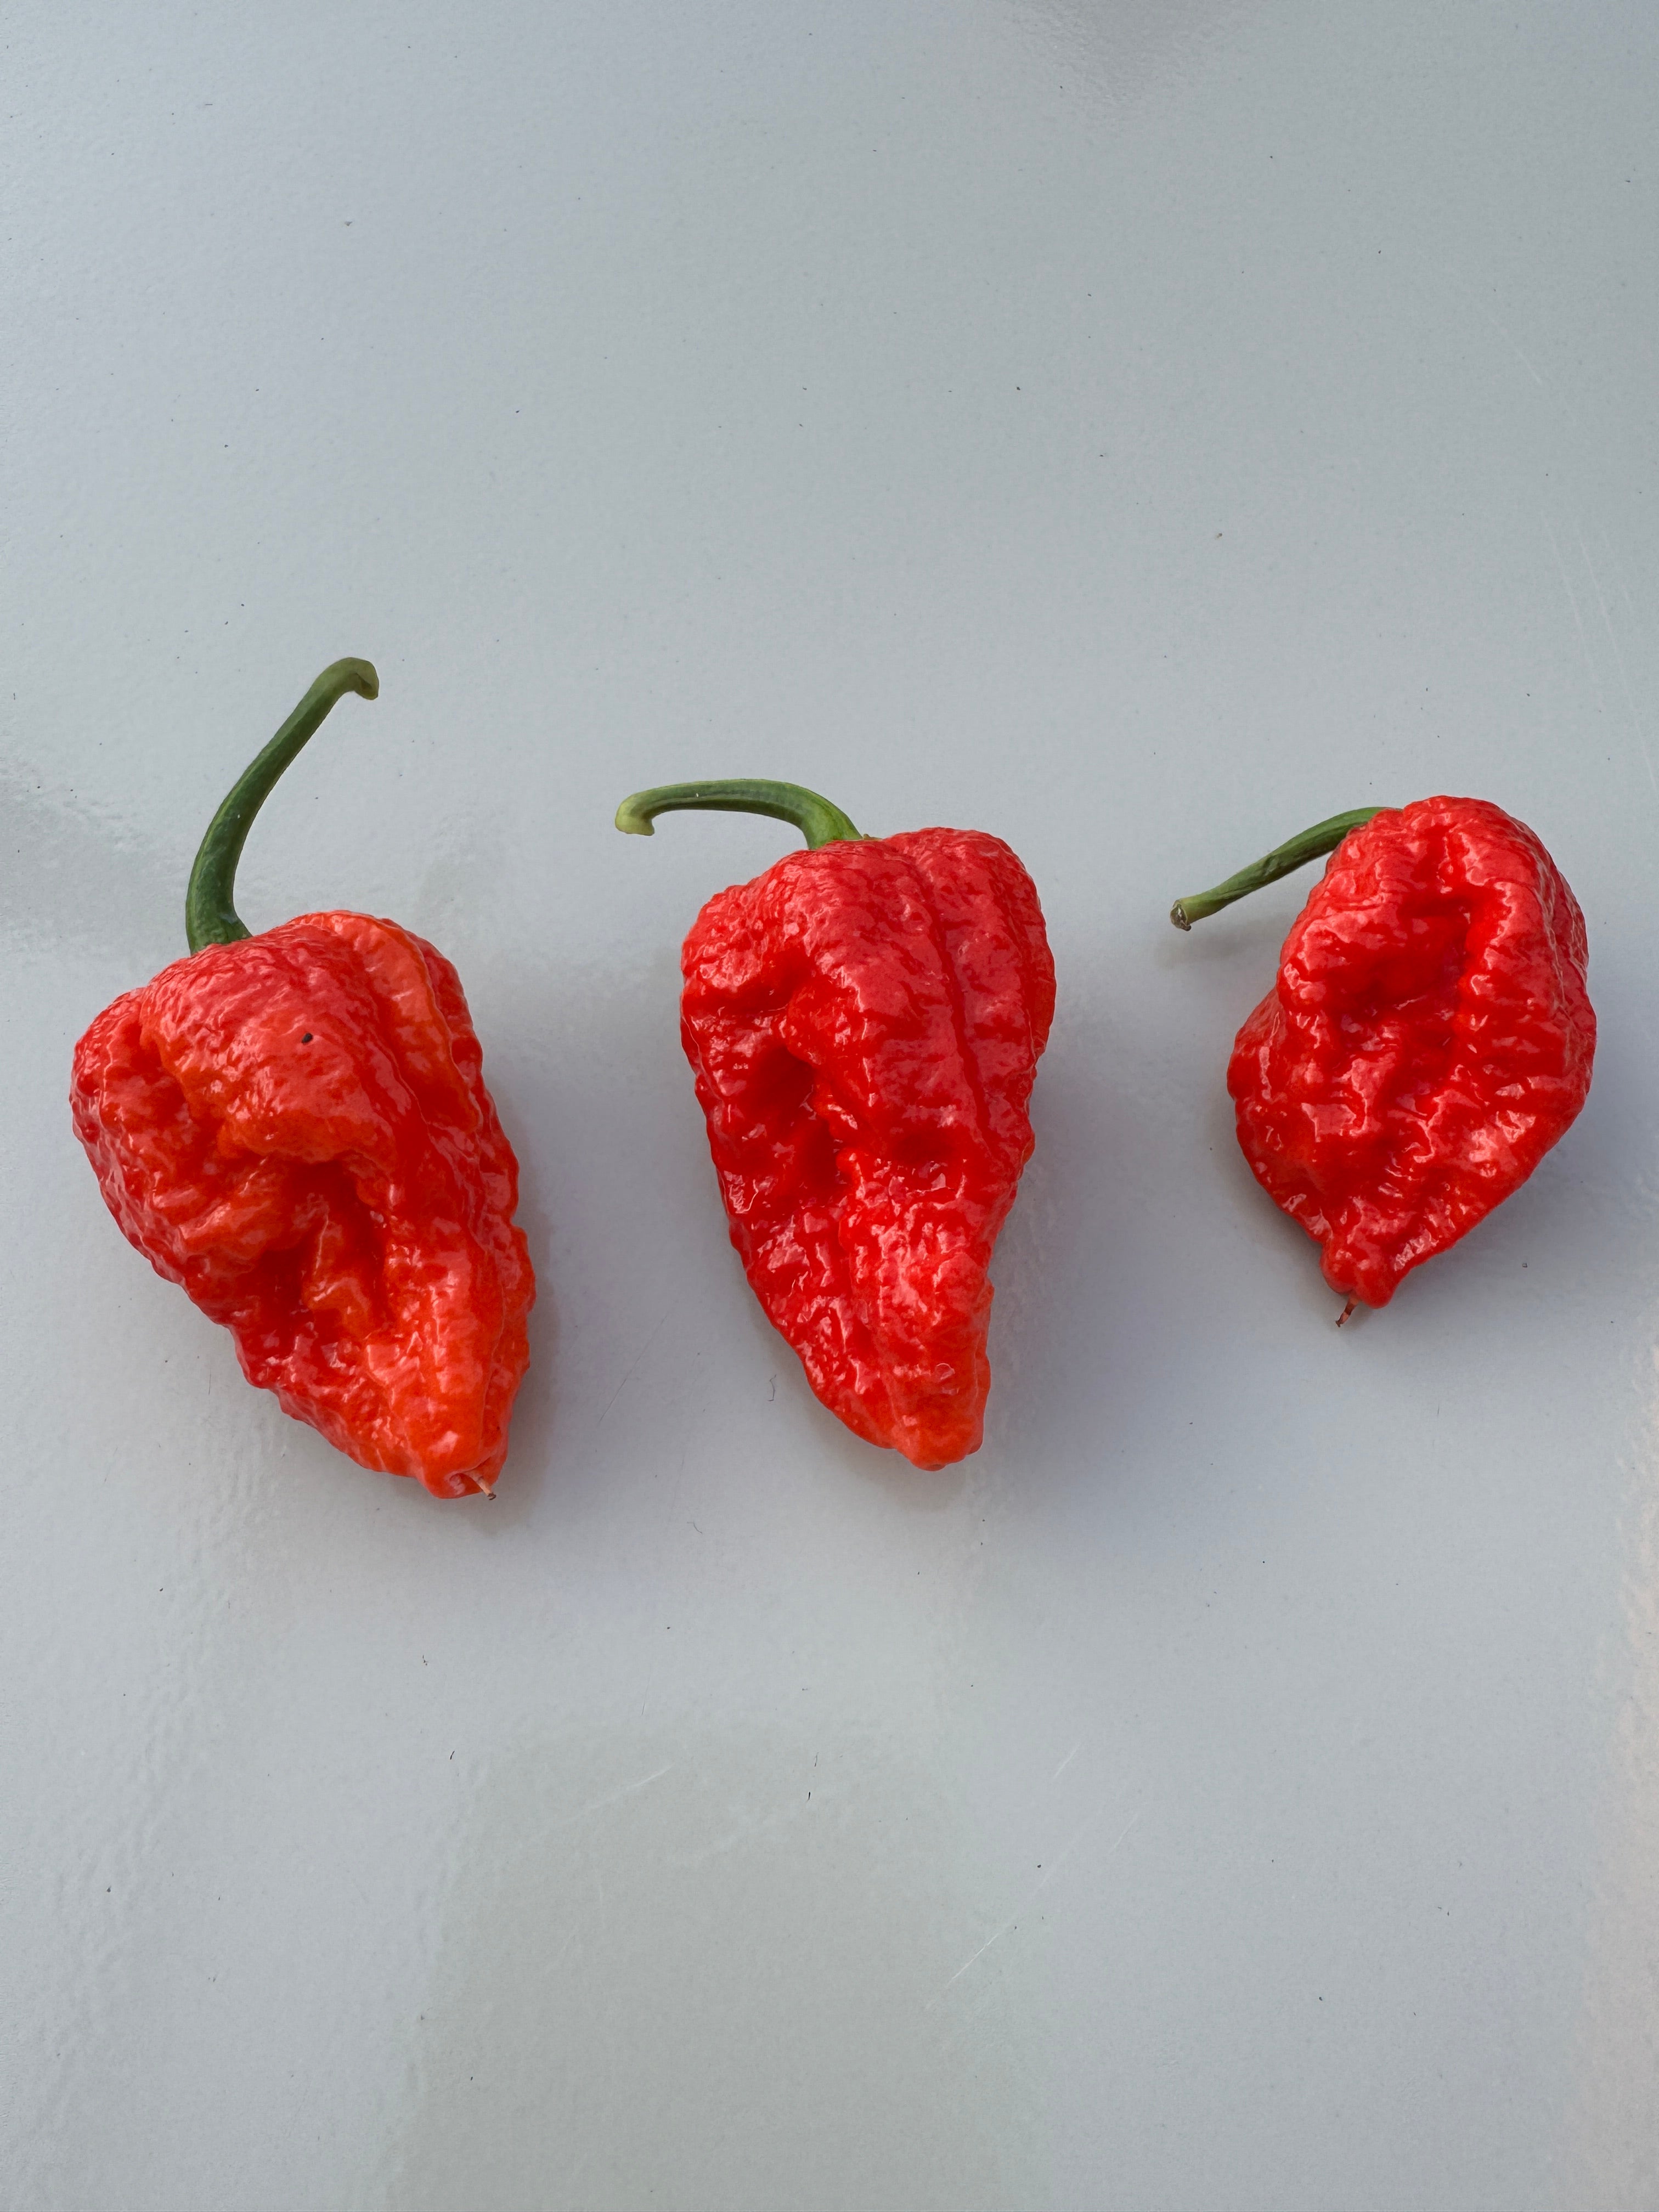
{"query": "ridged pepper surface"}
pixel 1428 1039
pixel 864 1022
pixel 294 1128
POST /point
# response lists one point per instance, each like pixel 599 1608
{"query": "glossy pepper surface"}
pixel 864 1022
pixel 1428 1037
pixel 294 1128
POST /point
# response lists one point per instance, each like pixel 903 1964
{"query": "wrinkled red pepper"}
pixel 1429 1037
pixel 294 1127
pixel 864 1022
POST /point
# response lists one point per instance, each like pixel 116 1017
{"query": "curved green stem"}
pixel 818 821
pixel 210 916
pixel 1323 837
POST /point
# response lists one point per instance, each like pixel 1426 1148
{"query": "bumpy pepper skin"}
pixel 1429 1038
pixel 295 1129
pixel 864 1022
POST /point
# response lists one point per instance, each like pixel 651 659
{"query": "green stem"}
pixel 210 916
pixel 818 821
pixel 1323 837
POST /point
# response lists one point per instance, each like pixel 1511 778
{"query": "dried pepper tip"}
pixel 1324 837
pixel 818 821
pixel 210 918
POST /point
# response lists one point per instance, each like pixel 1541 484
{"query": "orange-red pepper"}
pixel 1430 1035
pixel 295 1129
pixel 864 1022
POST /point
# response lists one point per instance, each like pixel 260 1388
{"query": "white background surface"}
pixel 1139 429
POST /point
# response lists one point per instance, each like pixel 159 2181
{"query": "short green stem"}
pixel 818 821
pixel 1323 837
pixel 210 917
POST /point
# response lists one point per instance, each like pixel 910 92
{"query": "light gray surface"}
pixel 1138 430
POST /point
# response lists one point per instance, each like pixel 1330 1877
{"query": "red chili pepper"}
pixel 1429 1038
pixel 864 1022
pixel 294 1127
